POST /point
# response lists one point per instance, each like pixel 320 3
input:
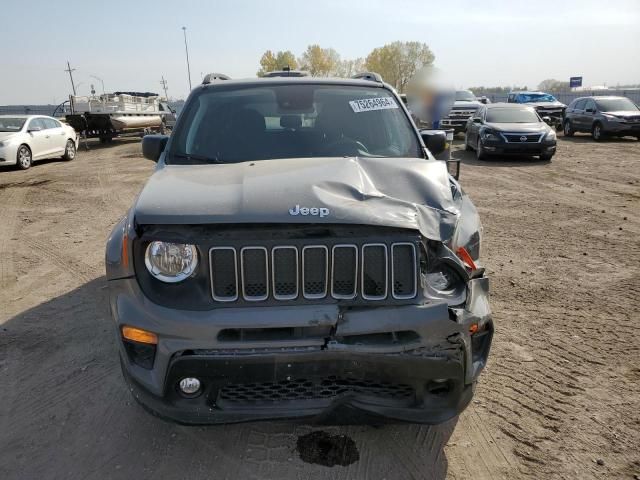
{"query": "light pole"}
pixel 186 49
pixel 100 80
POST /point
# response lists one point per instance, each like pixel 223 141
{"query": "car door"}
pixel 588 115
pixel 38 138
pixel 576 115
pixel 57 136
pixel 474 126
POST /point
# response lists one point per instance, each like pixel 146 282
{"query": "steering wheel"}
pixel 346 146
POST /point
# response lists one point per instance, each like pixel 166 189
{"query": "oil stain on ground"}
pixel 328 450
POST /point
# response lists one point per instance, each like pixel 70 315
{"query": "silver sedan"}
pixel 26 138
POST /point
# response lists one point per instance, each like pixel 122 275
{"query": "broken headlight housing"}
pixel 171 262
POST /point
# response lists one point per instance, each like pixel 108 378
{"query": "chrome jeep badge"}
pixel 316 211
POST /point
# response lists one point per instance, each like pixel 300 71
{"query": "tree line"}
pixel 396 62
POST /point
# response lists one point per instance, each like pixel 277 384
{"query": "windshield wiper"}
pixel 198 158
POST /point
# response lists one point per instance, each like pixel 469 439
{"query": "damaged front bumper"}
pixel 414 363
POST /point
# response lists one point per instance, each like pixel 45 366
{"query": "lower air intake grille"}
pixel 308 389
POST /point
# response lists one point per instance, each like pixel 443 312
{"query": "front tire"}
pixel 596 132
pixel 24 158
pixel 568 130
pixel 69 151
pixel 546 158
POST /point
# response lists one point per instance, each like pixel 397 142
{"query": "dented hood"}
pixel 397 192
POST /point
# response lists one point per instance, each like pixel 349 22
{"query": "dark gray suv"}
pixel 298 252
pixel 602 116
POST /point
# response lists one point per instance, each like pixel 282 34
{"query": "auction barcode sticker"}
pixel 368 104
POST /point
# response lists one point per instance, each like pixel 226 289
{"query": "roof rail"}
pixel 212 77
pixel 286 73
pixel 371 76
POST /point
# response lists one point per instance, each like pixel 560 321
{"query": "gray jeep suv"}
pixel 298 253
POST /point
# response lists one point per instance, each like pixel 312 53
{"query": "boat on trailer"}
pixel 109 115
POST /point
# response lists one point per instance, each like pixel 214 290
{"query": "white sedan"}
pixel 26 138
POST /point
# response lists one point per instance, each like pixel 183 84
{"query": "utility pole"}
pixel 186 49
pixel 71 70
pixel 163 82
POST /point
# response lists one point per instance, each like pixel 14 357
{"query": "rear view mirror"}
pixel 34 129
pixel 153 146
pixel 434 140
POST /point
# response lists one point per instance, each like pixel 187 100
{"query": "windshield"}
pixel 512 115
pixel 228 125
pixel 11 124
pixel 465 95
pixel 535 97
pixel 616 104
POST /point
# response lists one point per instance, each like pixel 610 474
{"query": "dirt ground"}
pixel 559 399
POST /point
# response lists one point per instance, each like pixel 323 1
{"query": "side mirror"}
pixel 477 120
pixel 34 129
pixel 547 120
pixel 434 140
pixel 153 146
pixel 590 110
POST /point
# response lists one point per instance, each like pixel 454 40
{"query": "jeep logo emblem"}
pixel 315 211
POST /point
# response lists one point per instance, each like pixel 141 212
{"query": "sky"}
pixel 131 44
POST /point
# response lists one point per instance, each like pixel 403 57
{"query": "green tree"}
pixel 398 62
pixel 553 85
pixel 270 61
pixel 348 68
pixel 319 62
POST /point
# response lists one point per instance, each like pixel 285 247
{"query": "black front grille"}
pixel 345 271
pixel 255 282
pixel 522 137
pixel 403 270
pixel 353 271
pixel 314 271
pixel 309 389
pixel 374 271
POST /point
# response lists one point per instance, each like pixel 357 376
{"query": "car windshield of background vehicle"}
pixel 465 95
pixel 11 124
pixel 230 125
pixel 616 105
pixel 536 97
pixel 512 115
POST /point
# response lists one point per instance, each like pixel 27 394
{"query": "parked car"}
pixel 547 106
pixel 464 107
pixel 26 138
pixel 509 129
pixel 299 252
pixel 602 116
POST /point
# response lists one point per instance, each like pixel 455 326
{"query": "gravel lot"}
pixel 560 398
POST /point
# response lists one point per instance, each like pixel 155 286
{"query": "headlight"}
pixel 551 136
pixel 171 262
pixel 490 135
pixel 612 118
pixel 444 283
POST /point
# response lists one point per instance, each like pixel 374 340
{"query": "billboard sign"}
pixel 575 82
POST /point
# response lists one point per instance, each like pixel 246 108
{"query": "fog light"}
pixel 189 385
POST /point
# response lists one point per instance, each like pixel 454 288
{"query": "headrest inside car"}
pixel 290 121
